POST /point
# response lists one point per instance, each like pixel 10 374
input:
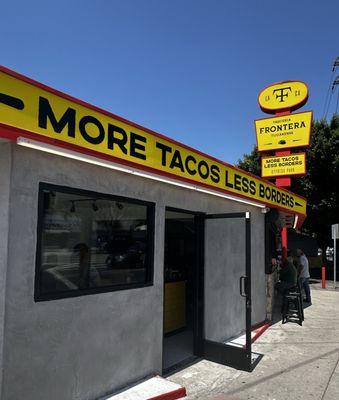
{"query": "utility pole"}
pixel 333 83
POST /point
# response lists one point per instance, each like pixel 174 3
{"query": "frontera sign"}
pixel 285 132
pixel 34 111
pixel 289 95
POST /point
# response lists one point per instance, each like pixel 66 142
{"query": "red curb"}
pixel 174 395
pixel 260 331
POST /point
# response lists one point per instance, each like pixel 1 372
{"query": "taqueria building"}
pixel 123 253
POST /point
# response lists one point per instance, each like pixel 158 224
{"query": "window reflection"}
pixel 92 242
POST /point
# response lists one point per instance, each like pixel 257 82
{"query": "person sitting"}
pixel 288 277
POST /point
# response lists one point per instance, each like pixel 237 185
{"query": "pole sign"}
pixel 282 133
pixel 285 132
pixel 288 95
pixel 277 166
pixel 335 236
pixel 31 110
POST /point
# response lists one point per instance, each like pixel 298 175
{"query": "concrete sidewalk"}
pixel 298 363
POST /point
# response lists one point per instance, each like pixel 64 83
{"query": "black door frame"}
pixel 236 357
pixel 197 301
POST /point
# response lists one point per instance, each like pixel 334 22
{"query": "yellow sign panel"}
pixel 48 114
pixel 289 95
pixel 294 164
pixel 289 131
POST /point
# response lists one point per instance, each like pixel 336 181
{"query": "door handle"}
pixel 243 286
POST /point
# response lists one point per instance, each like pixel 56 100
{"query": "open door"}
pixel 226 322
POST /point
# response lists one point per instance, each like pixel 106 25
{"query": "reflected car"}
pixel 126 255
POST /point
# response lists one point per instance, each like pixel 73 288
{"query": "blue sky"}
pixel 190 69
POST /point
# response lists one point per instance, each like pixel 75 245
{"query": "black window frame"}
pixel 149 281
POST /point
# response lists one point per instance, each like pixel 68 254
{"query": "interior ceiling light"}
pixel 119 205
pixel 34 144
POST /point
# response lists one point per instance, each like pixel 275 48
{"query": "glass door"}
pixel 226 321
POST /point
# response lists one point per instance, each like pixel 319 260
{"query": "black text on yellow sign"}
pixel 289 131
pixel 287 95
pixel 51 115
pixel 290 165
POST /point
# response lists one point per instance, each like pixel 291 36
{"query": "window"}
pixel 90 243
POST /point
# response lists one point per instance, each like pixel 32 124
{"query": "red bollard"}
pixel 323 277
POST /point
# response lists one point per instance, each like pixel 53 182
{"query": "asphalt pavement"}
pixel 299 362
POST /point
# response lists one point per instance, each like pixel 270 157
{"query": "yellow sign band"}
pixel 52 115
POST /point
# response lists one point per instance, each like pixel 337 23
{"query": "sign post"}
pixel 335 236
pixel 283 182
pixel 283 132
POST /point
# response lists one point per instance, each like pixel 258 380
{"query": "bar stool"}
pixel 292 306
pixel 298 292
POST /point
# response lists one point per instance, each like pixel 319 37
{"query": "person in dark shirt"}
pixel 288 276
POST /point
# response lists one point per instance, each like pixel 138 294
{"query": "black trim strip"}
pixel 227 215
pixel 248 290
pixel 235 357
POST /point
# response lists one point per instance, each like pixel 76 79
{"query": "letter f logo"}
pixel 282 93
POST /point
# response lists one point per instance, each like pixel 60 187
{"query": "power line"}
pixel 329 91
pixel 328 98
pixel 335 64
pixel 335 83
pixel 328 95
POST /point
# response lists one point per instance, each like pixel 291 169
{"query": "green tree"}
pixel 320 185
pixel 251 162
